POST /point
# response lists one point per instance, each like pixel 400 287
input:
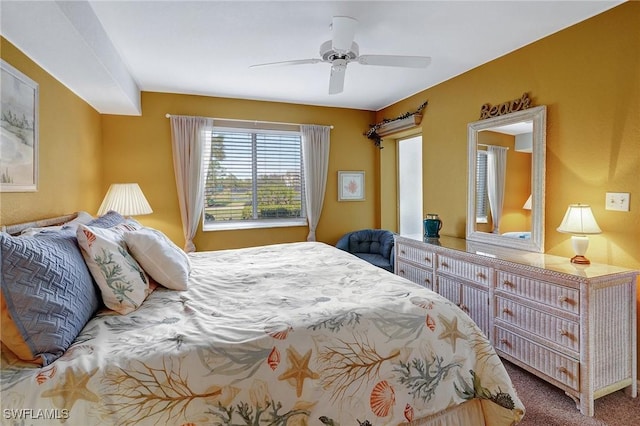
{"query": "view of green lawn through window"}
pixel 253 175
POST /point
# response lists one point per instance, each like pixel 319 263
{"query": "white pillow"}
pixel 123 283
pixel 164 261
pixel 82 218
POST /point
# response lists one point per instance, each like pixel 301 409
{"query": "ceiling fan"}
pixel 342 49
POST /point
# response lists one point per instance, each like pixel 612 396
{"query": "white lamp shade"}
pixel 126 199
pixel 579 220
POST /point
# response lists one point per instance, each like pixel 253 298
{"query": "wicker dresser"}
pixel 573 326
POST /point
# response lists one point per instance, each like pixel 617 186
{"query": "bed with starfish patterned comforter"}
pixel 288 334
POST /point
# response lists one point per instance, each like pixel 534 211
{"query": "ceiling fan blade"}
pixel 294 62
pixel 395 61
pixel 343 31
pixel 336 80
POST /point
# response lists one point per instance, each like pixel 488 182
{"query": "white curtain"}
pixel 315 157
pixel 187 138
pixel 496 172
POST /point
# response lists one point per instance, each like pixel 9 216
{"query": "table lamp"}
pixel 126 199
pixel 579 221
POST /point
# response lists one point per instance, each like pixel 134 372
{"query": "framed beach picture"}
pixel 350 186
pixel 18 131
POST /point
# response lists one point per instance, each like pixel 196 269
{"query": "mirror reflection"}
pixel 506 180
pixel 502 205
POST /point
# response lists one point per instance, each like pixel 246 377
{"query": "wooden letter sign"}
pixel 488 111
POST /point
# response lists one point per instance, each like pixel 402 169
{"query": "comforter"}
pixel 289 334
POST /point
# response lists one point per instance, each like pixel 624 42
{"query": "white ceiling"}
pixel 108 51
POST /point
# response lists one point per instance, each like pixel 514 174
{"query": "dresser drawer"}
pixel 420 276
pixel 564 369
pixel 558 296
pixel 415 254
pixel 463 269
pixel 558 330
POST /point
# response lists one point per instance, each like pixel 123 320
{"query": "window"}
pixel 482 199
pixel 410 208
pixel 253 178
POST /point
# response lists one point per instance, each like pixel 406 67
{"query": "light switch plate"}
pixel 617 201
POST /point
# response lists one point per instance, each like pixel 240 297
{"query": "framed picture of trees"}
pixel 18 131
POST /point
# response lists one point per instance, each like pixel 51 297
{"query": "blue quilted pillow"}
pixel 48 290
pixel 107 220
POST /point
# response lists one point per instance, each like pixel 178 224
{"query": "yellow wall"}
pixel 83 152
pixel 138 149
pixel 588 76
pixel 69 150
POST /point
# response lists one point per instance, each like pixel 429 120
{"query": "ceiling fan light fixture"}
pixel 339 65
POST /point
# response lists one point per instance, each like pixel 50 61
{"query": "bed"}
pixel 285 334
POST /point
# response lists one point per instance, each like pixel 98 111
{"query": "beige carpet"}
pixel 547 405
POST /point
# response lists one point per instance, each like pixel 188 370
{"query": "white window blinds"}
pixel 482 199
pixel 253 175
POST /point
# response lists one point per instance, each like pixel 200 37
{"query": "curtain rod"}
pixel 484 144
pixel 251 121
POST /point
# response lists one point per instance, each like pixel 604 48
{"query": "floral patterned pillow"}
pixel 123 283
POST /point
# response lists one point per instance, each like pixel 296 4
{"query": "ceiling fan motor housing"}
pixel 328 54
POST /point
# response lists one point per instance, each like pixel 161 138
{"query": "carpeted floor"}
pixel 547 405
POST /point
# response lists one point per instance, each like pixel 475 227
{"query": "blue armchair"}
pixel 373 245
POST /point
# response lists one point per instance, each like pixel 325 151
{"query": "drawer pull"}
pixel 427 259
pixel 563 370
pixel 444 264
pixel 505 342
pixel 481 275
pixel 563 299
pixel 508 284
pixel 403 252
pixel 506 311
pixel 427 280
pixel 401 271
pixel 464 307
pixel 564 333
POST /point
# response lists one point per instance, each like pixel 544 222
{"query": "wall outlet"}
pixel 617 201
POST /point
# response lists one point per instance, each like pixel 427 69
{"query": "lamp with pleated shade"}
pixel 579 221
pixel 126 199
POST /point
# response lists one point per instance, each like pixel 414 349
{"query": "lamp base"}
pixel 581 260
pixel 580 244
